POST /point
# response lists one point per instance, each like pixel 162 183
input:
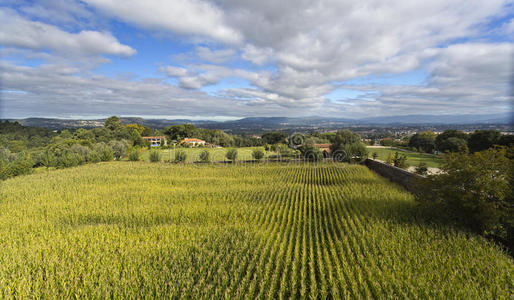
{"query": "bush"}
pixel 421 169
pixel 155 156
pixel 478 191
pixel 400 161
pixel 180 156
pixel 389 159
pixel 257 154
pixel 231 154
pixel 374 155
pixel 204 156
pixel 311 152
pixel 104 152
pixel 134 155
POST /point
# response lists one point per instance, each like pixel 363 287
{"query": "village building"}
pixel 155 141
pixel 325 148
pixel 192 142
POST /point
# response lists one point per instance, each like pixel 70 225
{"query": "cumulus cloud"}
pixel 187 17
pixel 19 32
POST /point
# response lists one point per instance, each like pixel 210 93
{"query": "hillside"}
pixel 141 230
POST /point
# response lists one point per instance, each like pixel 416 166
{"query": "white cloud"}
pixel 19 32
pixel 187 17
pixel 214 56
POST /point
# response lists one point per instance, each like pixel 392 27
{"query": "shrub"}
pixel 155 156
pixel 119 148
pixel 400 161
pixel 257 154
pixel 134 155
pixel 104 152
pixel 389 159
pixel 204 156
pixel 180 156
pixel 421 169
pixel 477 190
pixel 374 155
pixel 311 152
pixel 231 154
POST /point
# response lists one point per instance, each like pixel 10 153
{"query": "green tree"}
pixel 204 156
pixel 231 154
pixel 113 123
pixel 424 140
pixel 134 155
pixel 400 160
pixel 257 154
pixel 119 148
pixel 180 156
pixel 477 190
pixel 421 168
pixel 155 156
pixel 374 155
pixel 443 144
pixel 274 137
pixel 483 139
pixel 389 159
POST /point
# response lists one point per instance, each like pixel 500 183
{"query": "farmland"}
pixel 142 230
pixel 413 158
pixel 215 154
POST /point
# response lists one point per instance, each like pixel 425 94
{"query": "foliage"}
pixel 135 155
pixel 119 148
pixel 155 156
pixel 421 168
pixel 204 156
pixel 451 141
pixel 483 139
pixel 374 155
pixel 180 156
pixel 347 147
pixel 274 137
pixel 132 231
pixel 424 140
pixel 113 123
pixel 311 152
pixel 257 154
pixel 390 159
pixel 477 190
pixel 231 154
pixel 104 152
pixel 400 161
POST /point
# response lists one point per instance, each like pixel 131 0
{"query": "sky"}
pixel 228 59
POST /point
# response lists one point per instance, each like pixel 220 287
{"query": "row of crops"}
pixel 135 230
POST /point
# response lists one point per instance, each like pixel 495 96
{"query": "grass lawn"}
pixel 413 158
pixel 216 154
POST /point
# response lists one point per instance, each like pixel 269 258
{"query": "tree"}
pixel 389 159
pixel 155 156
pixel 374 155
pixel 274 137
pixel 311 152
pixel 347 147
pixel 104 152
pixel 180 156
pixel 204 156
pixel 483 139
pixel 113 123
pixel 231 154
pixel 442 144
pixel 257 154
pixel 421 169
pixel 424 140
pixel 400 161
pixel 478 190
pixel 119 148
pixel 134 155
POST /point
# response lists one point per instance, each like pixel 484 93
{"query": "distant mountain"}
pixel 505 118
pixel 283 123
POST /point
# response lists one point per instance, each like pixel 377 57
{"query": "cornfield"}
pixel 141 230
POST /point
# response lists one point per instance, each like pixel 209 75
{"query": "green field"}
pixel 142 230
pixel 216 154
pixel 413 158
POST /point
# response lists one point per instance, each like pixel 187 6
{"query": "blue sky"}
pixel 229 59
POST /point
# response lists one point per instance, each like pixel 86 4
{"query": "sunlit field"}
pixel 413 158
pixel 215 154
pixel 142 230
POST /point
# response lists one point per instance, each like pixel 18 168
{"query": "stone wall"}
pixel 406 179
